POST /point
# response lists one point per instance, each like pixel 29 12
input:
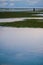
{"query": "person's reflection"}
pixel 1 30
pixel 1 33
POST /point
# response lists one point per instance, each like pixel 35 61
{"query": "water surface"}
pixel 18 19
pixel 21 46
pixel 39 14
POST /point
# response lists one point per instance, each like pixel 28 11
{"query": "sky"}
pixel 20 3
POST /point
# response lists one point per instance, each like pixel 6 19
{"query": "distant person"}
pixel 34 9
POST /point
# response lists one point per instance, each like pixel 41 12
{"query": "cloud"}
pixel 3 0
pixel 29 2
pixel 4 4
pixel 22 3
pixel 11 4
pixel 15 0
pixel 32 2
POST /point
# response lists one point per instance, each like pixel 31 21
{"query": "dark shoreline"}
pixel 27 23
pixel 18 14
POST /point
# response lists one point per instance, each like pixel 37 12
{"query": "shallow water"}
pixel 11 19
pixel 18 19
pixel 39 14
pixel 21 46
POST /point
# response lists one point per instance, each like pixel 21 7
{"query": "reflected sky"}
pixel 39 14
pixel 11 19
pixel 21 46
pixel 20 19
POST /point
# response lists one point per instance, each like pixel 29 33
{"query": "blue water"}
pixel 21 46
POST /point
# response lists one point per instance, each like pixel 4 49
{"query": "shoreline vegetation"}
pixel 19 14
pixel 32 23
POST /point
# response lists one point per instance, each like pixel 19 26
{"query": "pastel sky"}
pixel 20 3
